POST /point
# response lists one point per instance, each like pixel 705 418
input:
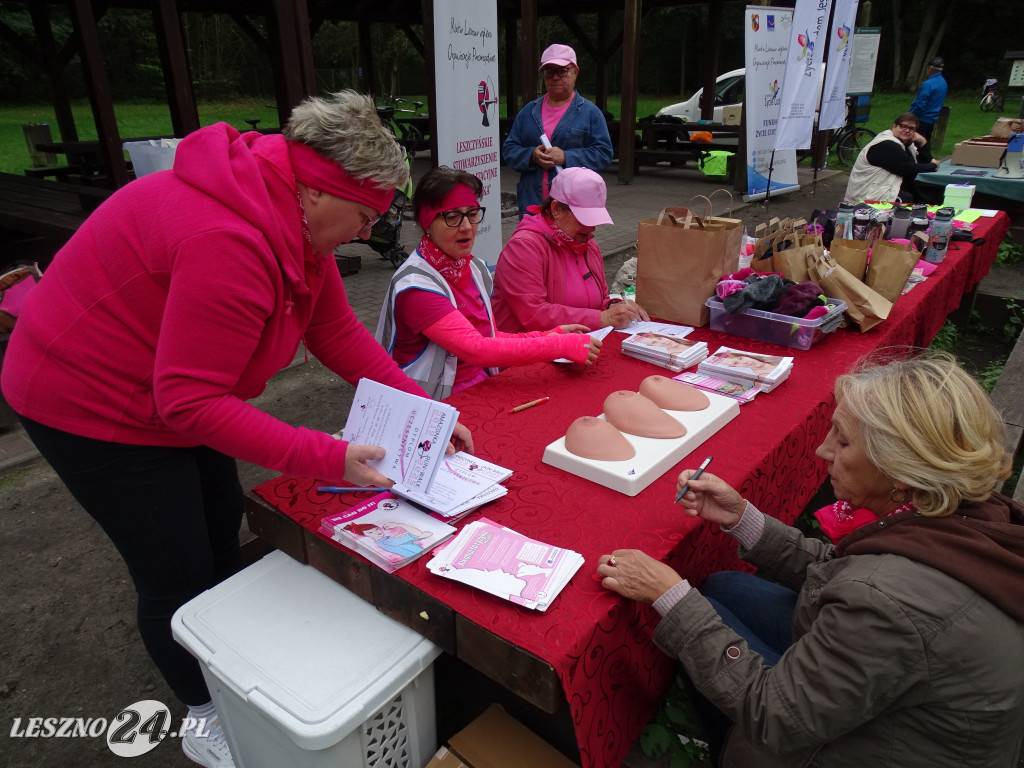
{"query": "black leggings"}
pixel 172 513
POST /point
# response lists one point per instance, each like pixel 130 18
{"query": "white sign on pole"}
pixel 466 105
pixel 863 60
pixel 799 100
pixel 833 106
pixel 767 41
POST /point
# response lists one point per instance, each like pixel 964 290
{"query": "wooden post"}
pixel 630 68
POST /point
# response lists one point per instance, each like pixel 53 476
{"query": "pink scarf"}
pixel 840 519
pixel 455 271
pixel 563 239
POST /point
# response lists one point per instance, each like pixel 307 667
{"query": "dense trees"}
pixel 225 61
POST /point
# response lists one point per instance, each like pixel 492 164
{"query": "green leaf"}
pixel 656 740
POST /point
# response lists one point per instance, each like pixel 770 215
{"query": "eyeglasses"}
pixel 368 222
pixel 552 72
pixel 906 127
pixel 454 218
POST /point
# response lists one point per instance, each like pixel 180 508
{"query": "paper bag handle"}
pixel 724 191
pixel 707 204
pixel 674 214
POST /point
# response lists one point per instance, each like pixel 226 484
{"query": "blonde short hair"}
pixel 927 424
pixel 346 129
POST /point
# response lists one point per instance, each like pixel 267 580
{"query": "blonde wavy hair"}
pixel 927 424
pixel 346 129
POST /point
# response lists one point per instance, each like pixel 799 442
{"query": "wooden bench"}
pixel 59 172
pixel 1008 398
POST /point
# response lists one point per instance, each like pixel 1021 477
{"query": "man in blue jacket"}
pixel 576 130
pixel 930 98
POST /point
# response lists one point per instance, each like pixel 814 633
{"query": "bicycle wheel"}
pixel 850 145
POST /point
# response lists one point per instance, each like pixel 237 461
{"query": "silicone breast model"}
pixel 673 395
pixel 592 438
pixel 633 413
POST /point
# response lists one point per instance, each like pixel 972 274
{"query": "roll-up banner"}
pixel 799 99
pixel 767 43
pixel 837 68
pixel 466 104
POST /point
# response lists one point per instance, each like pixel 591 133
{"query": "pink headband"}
pixel 319 172
pixel 460 197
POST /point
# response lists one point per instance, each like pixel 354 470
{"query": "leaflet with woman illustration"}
pixel 744 367
pixel 672 352
pixel 387 530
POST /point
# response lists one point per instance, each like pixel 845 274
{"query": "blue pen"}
pixel 695 476
pixel 346 489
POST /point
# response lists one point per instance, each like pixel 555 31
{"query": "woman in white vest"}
pixel 886 168
pixel 436 321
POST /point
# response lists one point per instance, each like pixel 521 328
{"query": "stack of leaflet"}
pixel 747 368
pixel 386 530
pixel 505 563
pixel 463 482
pixel 672 352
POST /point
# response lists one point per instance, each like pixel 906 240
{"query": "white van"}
pixel 728 93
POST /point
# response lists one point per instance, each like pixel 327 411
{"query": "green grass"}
pixel 145 119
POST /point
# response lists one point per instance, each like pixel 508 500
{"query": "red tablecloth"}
pixel 600 644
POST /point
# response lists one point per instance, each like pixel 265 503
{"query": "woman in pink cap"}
pixel 437 321
pixel 551 270
pixel 172 306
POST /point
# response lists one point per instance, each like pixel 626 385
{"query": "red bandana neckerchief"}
pixel 562 238
pixel 839 519
pixel 455 271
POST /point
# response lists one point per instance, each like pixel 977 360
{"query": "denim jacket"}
pixel 582 134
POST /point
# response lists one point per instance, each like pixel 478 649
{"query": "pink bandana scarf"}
pixel 455 271
pixel 840 519
pixel 563 239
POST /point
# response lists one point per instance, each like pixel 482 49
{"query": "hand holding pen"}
pixel 707 496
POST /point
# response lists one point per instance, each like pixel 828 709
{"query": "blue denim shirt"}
pixel 582 134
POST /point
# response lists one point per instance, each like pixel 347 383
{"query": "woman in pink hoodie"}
pixel 172 306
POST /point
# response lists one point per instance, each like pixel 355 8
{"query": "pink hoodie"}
pixel 178 299
pixel 530 281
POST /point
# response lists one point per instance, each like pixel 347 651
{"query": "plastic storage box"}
pixel 778 329
pixel 150 156
pixel 305 674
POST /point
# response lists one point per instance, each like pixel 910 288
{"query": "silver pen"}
pixel 696 475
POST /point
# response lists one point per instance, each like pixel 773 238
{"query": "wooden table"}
pixel 592 652
pixel 48 209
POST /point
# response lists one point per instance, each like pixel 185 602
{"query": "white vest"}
pixel 434 367
pixel 869 182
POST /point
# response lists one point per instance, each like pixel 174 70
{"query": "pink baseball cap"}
pixel 584 192
pixel 559 55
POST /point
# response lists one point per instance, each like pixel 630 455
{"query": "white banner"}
pixel 833 106
pixel 799 100
pixel 767 41
pixel 466 105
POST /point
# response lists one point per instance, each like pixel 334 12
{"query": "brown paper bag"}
pixel 852 255
pixel 734 227
pixel 792 261
pixel 680 259
pixel 864 306
pixel 890 268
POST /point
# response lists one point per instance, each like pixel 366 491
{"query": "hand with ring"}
pixel 636 575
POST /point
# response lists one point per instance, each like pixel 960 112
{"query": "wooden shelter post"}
pixel 177 79
pixel 630 67
pixel 51 64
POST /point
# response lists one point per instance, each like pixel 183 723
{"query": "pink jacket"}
pixel 530 279
pixel 178 299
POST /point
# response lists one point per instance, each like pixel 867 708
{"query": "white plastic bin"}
pixel 306 674
pixel 152 155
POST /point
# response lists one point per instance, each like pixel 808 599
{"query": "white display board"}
pixel 466 104
pixel 654 456
pixel 863 60
pixel 767 44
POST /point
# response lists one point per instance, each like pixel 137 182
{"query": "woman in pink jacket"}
pixel 170 307
pixel 551 271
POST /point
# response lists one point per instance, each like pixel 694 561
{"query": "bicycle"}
pixel 405 132
pixel 849 140
pixel 992 99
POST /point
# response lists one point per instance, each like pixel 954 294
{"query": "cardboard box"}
pixel 497 740
pixel 981 152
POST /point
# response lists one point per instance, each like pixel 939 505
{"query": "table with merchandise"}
pixel 589 658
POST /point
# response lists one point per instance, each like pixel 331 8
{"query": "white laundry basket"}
pixel 306 674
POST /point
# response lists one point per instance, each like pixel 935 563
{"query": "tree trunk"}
pixel 940 33
pixel 925 36
pixel 897 43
